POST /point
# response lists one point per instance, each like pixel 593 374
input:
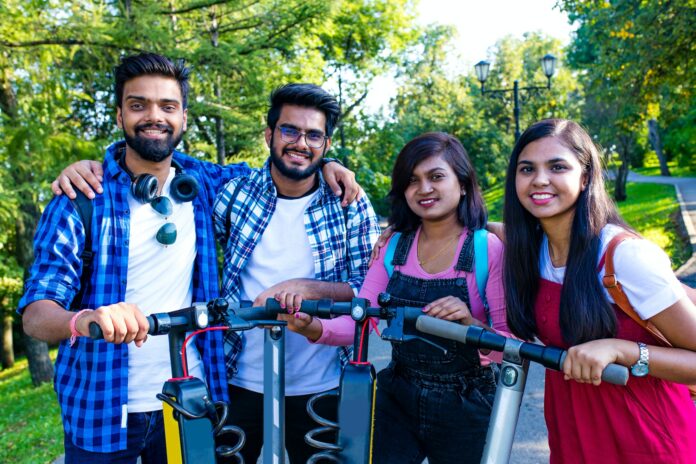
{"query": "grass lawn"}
pixel 651 209
pixel 30 423
pixel 652 168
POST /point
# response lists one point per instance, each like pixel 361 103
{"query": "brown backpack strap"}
pixel 613 286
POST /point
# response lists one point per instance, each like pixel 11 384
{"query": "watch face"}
pixel 639 370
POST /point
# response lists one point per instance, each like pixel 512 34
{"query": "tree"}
pixel 431 98
pixel 633 55
pixel 56 62
pixel 363 40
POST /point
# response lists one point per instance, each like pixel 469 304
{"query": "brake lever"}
pixel 395 332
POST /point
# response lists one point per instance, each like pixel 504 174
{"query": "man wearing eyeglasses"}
pixel 154 251
pixel 286 236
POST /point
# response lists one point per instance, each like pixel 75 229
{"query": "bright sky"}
pixel 479 25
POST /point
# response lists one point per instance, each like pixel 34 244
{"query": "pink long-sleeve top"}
pixel 340 331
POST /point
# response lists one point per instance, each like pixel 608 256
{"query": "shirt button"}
pixel 543 319
pixel 126 241
pixel 547 298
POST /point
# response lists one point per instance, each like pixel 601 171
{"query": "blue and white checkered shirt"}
pixel 341 241
pixel 91 378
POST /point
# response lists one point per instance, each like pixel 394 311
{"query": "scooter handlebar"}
pixel 96 333
pixel 548 356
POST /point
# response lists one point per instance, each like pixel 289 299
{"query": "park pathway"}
pixel 686 194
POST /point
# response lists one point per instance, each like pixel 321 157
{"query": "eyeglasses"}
pixel 166 235
pixel 313 138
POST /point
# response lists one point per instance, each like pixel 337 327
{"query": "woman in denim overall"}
pixel 434 399
pixel 559 221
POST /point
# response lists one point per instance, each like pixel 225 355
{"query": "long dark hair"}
pixel 471 211
pixel 585 313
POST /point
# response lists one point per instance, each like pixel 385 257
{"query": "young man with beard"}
pixel 287 236
pixel 150 256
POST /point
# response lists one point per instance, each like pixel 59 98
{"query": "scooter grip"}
pixel 613 373
pixel 616 374
pixel 96 333
pixel 441 328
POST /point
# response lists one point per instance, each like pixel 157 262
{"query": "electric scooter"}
pixel 357 389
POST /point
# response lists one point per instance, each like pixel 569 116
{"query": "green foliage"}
pixel 653 211
pixel 652 168
pixel 494 198
pixel 30 423
pixel 429 99
pixel 637 62
pixel 680 134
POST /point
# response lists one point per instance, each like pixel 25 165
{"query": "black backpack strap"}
pixel 233 199
pixel 84 208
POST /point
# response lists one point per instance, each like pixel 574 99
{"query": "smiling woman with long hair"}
pixel 432 403
pixel 559 222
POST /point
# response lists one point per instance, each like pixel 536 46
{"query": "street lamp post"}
pixel 548 64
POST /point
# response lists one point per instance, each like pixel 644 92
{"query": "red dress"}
pixel 648 421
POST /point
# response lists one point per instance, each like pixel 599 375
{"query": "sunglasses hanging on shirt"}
pixel 166 235
pixel 144 188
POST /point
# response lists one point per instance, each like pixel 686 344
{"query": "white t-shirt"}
pixel 643 269
pixel 160 280
pixel 283 253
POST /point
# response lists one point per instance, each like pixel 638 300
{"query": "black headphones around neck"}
pixel 144 187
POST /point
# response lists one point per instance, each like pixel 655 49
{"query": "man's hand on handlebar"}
pixel 120 323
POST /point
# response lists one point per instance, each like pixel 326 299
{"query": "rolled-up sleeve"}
pixel 58 242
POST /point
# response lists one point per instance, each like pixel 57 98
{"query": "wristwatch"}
pixel 640 368
pixel 324 161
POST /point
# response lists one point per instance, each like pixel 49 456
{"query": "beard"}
pixel 292 172
pixel 153 150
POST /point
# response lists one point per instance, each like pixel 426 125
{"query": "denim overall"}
pixel 430 403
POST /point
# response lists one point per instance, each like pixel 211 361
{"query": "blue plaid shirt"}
pixel 91 377
pixel 341 241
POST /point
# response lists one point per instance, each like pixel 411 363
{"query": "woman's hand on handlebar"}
pixel 303 324
pixel 298 322
pixel 584 363
pixel 120 323
pixel 450 308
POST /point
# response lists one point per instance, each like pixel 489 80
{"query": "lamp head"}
pixel 482 68
pixel 548 63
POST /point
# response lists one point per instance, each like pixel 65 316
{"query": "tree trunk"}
pixel 622 174
pixel 40 365
pixel 219 121
pixel 654 137
pixel 7 345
